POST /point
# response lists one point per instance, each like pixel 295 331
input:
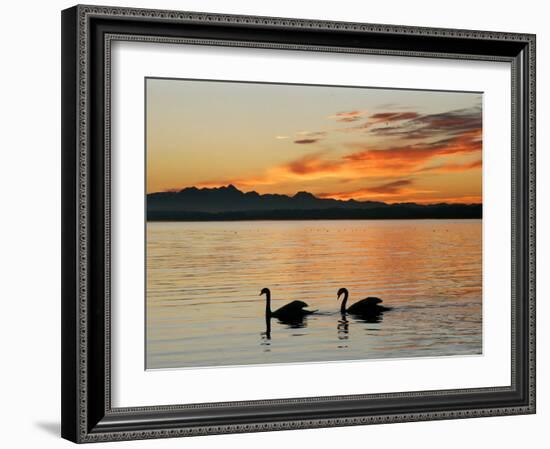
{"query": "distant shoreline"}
pixel 302 219
pixel 427 213
pixel 230 204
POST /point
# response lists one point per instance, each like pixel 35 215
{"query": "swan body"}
pixel 365 307
pixel 292 311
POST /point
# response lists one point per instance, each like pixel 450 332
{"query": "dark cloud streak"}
pixel 306 141
pixel 432 125
pixel 390 187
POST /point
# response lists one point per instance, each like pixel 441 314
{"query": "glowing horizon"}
pixel 334 142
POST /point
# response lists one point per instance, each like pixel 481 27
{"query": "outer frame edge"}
pixel 83 12
pixel 69 341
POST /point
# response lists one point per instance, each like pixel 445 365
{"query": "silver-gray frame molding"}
pixel 87 35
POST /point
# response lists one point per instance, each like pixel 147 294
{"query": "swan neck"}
pixel 344 302
pixel 268 304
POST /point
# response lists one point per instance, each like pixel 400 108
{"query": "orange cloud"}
pixel 405 195
pixel 310 166
pixel 311 163
pixel 371 163
pixel 443 141
pixel 453 168
pixel 349 116
pixel 410 158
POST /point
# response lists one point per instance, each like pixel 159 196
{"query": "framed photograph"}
pixel 276 224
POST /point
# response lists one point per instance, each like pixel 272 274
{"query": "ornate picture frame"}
pixel 87 35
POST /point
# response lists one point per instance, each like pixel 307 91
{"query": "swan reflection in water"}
pixel 343 326
pixel 369 319
pixel 266 336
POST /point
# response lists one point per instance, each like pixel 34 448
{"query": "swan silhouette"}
pixel 368 307
pixel 293 312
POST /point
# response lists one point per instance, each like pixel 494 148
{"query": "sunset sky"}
pixel 335 142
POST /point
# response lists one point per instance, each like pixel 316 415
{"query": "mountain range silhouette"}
pixel 229 203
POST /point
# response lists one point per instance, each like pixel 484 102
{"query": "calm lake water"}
pixel 204 278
